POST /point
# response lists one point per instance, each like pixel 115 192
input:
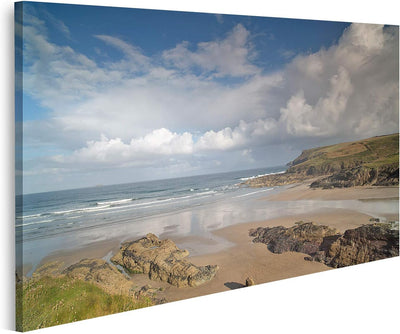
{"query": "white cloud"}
pixel 246 133
pixel 302 119
pixel 228 57
pixel 114 151
pixel 163 142
pixel 350 89
pixel 57 75
pixel 135 60
pixel 224 139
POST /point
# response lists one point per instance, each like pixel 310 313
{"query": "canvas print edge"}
pixel 253 182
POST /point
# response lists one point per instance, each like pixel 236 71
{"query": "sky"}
pixel 114 95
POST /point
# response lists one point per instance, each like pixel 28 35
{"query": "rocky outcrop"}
pixel 360 176
pixel 304 237
pixel 274 180
pixel 364 244
pixel 102 274
pixel 162 260
pixel 323 244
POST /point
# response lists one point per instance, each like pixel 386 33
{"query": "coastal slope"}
pixel 373 161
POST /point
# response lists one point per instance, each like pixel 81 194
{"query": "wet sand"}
pixel 95 250
pixel 304 192
pixel 244 258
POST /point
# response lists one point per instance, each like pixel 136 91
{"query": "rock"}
pixel 249 281
pixel 102 274
pixel 146 290
pixel 162 260
pixel 319 256
pixel 277 180
pixel 50 269
pixel 304 237
pixel 363 244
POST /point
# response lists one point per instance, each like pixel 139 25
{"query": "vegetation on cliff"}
pixel 372 161
pixel 373 152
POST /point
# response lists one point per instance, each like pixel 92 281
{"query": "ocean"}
pixel 61 219
pixel 196 205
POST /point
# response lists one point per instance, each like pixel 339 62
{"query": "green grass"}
pixel 372 152
pixel 54 301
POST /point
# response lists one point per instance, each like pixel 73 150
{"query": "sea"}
pixel 187 206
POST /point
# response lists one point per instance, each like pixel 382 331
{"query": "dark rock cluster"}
pixel 323 244
pixel 363 244
pixel 303 237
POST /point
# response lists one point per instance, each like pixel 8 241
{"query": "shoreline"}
pixel 301 191
pixel 243 258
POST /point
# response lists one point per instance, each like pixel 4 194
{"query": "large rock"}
pixel 102 274
pixel 304 237
pixel 162 260
pixel 363 244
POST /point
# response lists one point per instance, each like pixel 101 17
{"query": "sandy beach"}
pixel 303 192
pixel 244 258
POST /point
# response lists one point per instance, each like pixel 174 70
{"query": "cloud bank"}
pixel 192 101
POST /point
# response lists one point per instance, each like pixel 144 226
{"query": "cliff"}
pixel 373 161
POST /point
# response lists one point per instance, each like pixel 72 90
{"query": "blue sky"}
pixel 113 95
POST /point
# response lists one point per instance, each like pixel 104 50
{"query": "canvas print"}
pixel 165 155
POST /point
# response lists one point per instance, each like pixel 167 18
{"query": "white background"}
pixel 359 299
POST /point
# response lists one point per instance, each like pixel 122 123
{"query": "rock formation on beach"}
pixel 363 244
pixel 323 244
pixel 102 274
pixel 303 237
pixel 373 161
pixel 162 260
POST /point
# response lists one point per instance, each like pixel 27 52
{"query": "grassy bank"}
pixel 54 301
